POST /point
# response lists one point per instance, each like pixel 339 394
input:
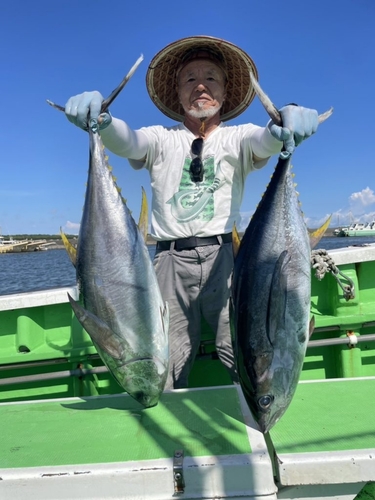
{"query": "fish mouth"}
pixel 144 379
pixel 145 399
pixel 268 420
pixel 264 427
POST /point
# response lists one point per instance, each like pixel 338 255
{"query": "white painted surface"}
pixel 39 298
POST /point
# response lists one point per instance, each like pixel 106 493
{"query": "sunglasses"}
pixel 196 166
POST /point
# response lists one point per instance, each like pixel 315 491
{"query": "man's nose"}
pixel 201 86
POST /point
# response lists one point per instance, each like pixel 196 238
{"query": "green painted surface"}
pixel 42 332
pixel 328 416
pixel 116 429
pixel 329 306
pixel 367 492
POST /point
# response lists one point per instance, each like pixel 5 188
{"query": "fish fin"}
pixel 236 240
pixel 277 298
pixel 98 330
pixel 316 236
pixel 311 326
pixel 143 216
pixel 303 336
pixel 72 252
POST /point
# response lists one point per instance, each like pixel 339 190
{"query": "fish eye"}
pixel 265 401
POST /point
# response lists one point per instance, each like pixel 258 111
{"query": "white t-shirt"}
pixel 183 208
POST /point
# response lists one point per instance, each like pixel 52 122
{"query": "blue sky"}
pixel 318 54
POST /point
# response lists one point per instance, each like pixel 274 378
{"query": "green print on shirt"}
pixel 196 200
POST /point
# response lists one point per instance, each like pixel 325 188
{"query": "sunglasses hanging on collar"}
pixel 196 165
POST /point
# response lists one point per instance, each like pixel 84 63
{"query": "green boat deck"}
pixel 128 452
pixel 117 429
pixel 327 437
pixel 328 433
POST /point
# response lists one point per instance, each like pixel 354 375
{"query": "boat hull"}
pixel 357 230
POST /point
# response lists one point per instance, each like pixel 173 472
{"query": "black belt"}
pixel 194 241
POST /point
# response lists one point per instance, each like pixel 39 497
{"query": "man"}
pixel 198 170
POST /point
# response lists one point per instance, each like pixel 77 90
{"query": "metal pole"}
pixel 52 376
pixel 338 341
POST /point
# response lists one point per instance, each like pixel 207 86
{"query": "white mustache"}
pixel 204 113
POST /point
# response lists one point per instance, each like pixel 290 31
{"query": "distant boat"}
pixel 11 245
pixel 9 241
pixel 357 229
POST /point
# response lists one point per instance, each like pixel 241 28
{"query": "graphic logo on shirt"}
pixel 196 200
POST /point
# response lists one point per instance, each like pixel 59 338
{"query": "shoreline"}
pixel 55 243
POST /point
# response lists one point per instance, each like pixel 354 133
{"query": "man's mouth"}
pixel 201 99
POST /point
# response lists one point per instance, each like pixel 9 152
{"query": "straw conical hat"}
pixel 161 75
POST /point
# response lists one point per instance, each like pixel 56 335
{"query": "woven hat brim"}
pixel 161 76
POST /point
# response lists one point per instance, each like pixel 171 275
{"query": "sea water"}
pixel 31 271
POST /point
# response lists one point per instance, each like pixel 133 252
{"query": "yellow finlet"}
pixel 72 252
pixel 316 236
pixel 236 240
pixel 143 216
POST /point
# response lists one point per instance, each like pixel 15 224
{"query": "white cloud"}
pixel 71 227
pixel 364 198
pixel 360 208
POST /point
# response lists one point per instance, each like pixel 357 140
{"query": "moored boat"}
pixel 357 229
pixel 11 245
pixel 71 433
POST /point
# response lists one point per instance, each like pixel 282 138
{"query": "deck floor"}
pixel 117 429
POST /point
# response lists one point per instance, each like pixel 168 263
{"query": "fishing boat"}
pixel 69 432
pixel 357 229
pixel 11 245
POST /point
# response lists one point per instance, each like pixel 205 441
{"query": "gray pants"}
pixel 196 283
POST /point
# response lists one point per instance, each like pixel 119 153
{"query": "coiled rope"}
pixel 323 263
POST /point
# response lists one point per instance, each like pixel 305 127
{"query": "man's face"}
pixel 201 88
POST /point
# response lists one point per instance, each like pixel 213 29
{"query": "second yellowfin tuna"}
pixel 271 300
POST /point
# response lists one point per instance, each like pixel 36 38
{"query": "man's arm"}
pixel 119 138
